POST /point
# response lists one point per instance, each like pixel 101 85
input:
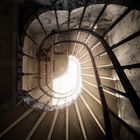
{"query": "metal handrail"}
pixel 134 99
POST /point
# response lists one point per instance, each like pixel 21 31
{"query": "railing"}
pixel 130 92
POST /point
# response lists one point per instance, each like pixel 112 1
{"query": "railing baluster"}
pixel 41 25
pixel 129 128
pixel 106 88
pixel 81 19
pixel 100 14
pixel 119 44
pixel 56 17
pixel 19 52
pixel 69 14
pixel 31 39
pixel 126 40
pixel 117 21
pixel 131 66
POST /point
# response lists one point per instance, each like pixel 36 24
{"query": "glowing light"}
pixel 69 83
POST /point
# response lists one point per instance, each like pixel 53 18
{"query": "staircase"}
pixel 95 39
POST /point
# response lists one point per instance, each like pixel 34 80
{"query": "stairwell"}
pixel 105 40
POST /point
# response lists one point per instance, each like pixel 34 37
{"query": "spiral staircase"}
pixel 95 36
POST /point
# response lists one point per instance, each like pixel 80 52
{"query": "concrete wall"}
pixel 8 42
pixel 128 53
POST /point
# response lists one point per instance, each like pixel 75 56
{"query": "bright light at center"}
pixel 69 84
